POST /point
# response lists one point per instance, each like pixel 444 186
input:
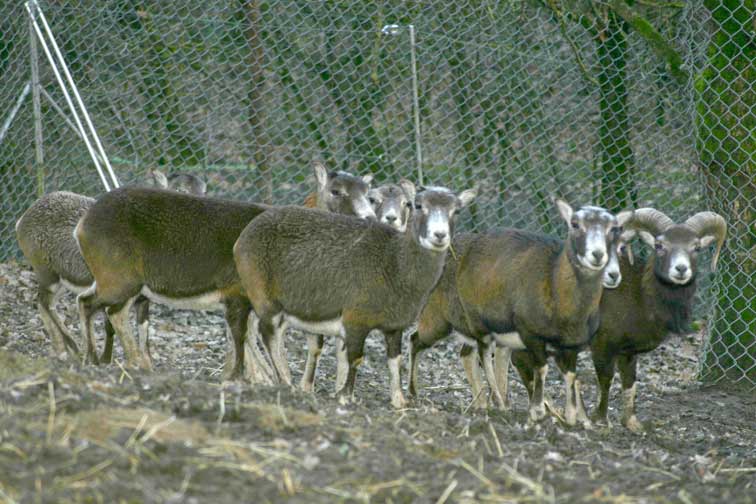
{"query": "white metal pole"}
pixel 32 5
pixel 75 90
pixel 14 111
pixel 416 106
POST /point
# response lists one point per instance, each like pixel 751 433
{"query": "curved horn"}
pixel 624 217
pixel 709 224
pixel 649 219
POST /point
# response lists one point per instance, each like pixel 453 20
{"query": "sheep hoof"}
pixel 344 398
pixel 480 404
pixel 570 417
pixel 306 386
pixel 633 424
pixel 537 413
pixel 61 355
pixel 506 406
pixel 398 401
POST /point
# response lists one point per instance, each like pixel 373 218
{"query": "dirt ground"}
pixel 72 433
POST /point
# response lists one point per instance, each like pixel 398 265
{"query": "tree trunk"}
pixel 726 124
pixel 617 160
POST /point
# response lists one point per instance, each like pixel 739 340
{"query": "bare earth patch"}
pixel 72 433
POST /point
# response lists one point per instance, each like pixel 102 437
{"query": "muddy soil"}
pixel 72 433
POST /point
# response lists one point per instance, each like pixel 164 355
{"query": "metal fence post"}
pixel 39 153
pixel 416 106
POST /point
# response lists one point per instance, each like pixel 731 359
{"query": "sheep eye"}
pixel 409 204
pixel 372 201
pixel 335 192
pixel 575 225
pixel 418 206
pixel 658 246
pixel 697 248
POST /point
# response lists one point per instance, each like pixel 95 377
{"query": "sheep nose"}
pixel 440 235
pixel 681 268
pixel 390 219
pixel 598 254
pixel 614 275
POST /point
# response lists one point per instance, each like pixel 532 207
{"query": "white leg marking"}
pixel 144 338
pixel 510 340
pixel 629 419
pixel 502 358
pixel 570 408
pixel 257 366
pixel 311 365
pixel 582 416
pixel 277 350
pixel 58 347
pixel 395 382
pixel 342 365
pixel 86 320
pixel 488 366
pixel 122 327
pixel 537 405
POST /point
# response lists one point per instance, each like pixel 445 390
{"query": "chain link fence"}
pixel 596 102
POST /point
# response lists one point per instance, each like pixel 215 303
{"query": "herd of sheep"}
pixel 355 259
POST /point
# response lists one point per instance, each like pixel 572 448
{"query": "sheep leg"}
pixel 88 303
pixel 486 352
pixel 501 361
pixel 314 349
pixel 280 355
pixel 354 341
pixel 107 352
pixel 271 330
pixel 342 365
pixel 537 409
pixel 394 355
pixel 538 356
pixel 119 316
pixel 627 369
pixel 604 365
pixel 257 364
pixel 524 367
pixel 59 335
pixel 431 328
pixel 567 363
pixel 582 416
pixel 237 311
pixel 142 307
pixel 415 347
pixel 471 365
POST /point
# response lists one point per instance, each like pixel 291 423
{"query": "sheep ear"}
pixel 160 179
pixel 367 178
pixel 409 188
pixel 647 238
pixel 565 210
pixel 467 196
pixel 321 174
